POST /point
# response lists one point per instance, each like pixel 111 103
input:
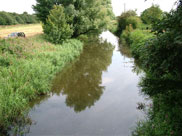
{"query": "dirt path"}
pixel 29 30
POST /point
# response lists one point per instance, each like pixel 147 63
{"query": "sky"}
pixel 19 6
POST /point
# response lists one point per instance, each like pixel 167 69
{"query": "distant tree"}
pixel 56 27
pixel 152 14
pixel 123 20
pixel 19 19
pixel 2 21
pixel 134 21
pixel 25 18
pixel 7 17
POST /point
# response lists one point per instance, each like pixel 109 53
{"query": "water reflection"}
pixel 126 52
pixel 81 83
pixel 99 71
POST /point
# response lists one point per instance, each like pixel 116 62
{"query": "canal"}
pixel 96 95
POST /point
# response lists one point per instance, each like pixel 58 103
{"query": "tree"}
pixel 134 21
pixel 152 14
pixel 7 18
pixel 2 21
pixel 163 54
pixel 56 27
pixel 85 15
pixel 122 21
pixel 19 19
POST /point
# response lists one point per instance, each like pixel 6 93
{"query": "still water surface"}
pixel 97 95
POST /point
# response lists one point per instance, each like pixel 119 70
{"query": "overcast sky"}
pixel 20 6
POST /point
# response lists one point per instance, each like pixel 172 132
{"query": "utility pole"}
pixel 124 7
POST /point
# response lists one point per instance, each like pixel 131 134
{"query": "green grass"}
pixel 27 67
pixel 136 40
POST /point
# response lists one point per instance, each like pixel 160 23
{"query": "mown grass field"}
pixel 29 30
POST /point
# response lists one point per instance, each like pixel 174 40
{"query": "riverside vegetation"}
pixel 7 18
pixel 158 51
pixel 27 66
pixel 26 69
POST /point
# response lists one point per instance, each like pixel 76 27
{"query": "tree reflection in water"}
pixel 81 82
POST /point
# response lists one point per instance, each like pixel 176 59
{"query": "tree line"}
pixel 63 19
pixel 8 18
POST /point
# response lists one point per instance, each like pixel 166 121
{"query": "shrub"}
pixel 125 36
pixel 138 40
pixel 164 52
pixel 134 21
pixel 56 28
pixel 122 21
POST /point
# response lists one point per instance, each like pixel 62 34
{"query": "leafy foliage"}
pixel 7 18
pixel 85 15
pixel 161 59
pixel 138 42
pixel 125 19
pixel 164 52
pixel 152 14
pixel 57 28
pixel 134 21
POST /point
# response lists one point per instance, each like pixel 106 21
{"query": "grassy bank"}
pixel 27 67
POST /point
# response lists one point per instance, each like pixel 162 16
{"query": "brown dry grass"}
pixel 29 30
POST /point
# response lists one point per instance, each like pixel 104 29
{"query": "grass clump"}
pixel 26 68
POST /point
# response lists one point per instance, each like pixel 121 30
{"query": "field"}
pixel 29 30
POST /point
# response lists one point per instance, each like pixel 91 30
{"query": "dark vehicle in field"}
pixel 17 34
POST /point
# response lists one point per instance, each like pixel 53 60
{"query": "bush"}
pixel 125 36
pixel 134 21
pixel 163 78
pixel 122 21
pixel 56 28
pixel 138 40
pixel 164 52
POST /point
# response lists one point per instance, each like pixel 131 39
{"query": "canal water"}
pixel 97 95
